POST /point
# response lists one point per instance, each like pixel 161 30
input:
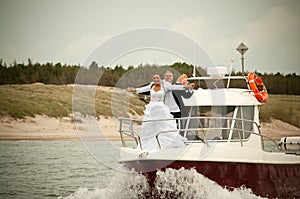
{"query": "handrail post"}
pixel 121 134
pixel 232 123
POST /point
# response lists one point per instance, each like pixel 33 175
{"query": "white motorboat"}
pixel 224 142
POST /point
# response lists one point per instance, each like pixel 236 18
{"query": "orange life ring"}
pixel 257 86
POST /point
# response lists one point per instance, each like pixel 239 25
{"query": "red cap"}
pixel 182 78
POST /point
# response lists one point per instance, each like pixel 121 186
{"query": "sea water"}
pixel 65 169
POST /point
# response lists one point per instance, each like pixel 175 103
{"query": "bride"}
pixel 157 110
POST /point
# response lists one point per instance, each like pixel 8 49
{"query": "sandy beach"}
pixel 47 128
pixel 277 129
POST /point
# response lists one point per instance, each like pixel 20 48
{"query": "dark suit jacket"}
pixel 178 94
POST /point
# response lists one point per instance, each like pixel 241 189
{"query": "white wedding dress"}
pixel 155 110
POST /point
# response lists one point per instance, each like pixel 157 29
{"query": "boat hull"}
pixel 267 180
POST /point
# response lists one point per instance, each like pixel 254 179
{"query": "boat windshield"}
pixel 218 122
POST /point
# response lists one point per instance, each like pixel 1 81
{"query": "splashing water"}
pixel 123 185
pixel 185 183
pixel 171 183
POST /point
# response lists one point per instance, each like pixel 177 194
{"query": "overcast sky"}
pixel 67 31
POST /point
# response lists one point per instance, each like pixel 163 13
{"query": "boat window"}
pixel 243 125
pixel 219 122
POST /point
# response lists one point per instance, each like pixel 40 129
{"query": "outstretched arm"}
pixel 170 86
pixel 131 89
pixel 139 90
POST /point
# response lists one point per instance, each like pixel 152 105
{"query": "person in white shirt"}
pixel 174 97
pixel 169 99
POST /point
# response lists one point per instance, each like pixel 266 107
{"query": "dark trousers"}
pixel 176 115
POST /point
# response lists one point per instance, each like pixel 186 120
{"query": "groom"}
pixel 173 98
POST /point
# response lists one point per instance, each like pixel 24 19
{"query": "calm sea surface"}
pixel 65 169
pixel 41 169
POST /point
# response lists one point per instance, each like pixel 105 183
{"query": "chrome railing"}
pixel 205 125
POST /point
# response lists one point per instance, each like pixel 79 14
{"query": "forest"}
pixel 118 76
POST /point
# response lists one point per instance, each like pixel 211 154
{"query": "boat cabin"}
pixel 216 113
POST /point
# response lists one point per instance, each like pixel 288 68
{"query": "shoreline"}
pixel 44 128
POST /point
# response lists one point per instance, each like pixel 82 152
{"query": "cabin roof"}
pixel 221 97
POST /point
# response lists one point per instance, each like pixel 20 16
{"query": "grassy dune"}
pixel 19 101
pixel 282 107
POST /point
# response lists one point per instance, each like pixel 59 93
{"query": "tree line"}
pixel 118 76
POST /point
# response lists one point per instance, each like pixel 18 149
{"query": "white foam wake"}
pixel 171 183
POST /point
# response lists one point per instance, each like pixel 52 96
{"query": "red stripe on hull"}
pixel 268 180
